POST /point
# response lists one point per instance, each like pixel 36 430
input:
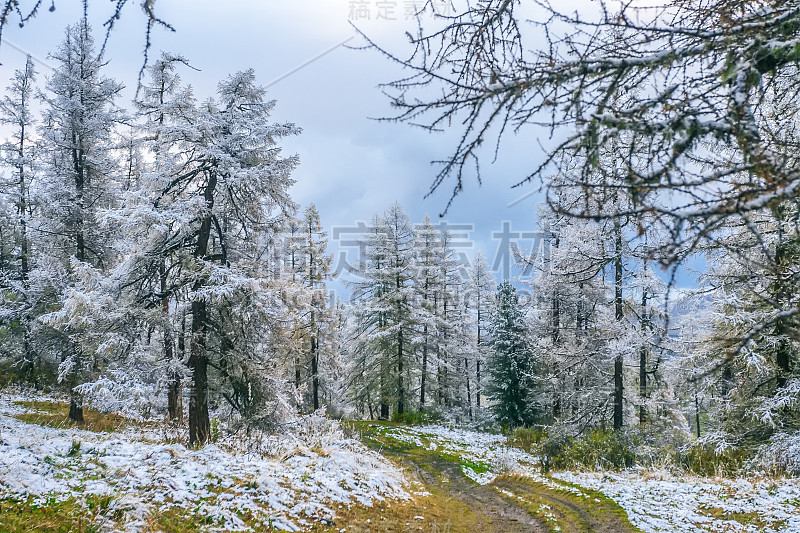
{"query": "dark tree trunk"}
pixel 76 408
pixel 76 403
pixel 618 366
pixel 424 375
pixel 174 408
pixel 782 292
pixel 174 403
pixel 642 384
pixel 469 390
pixel 478 363
pixel 315 372
pixel 643 360
pixel 697 413
pixel 401 405
pixel 478 384
pixel 199 424
pixel 384 396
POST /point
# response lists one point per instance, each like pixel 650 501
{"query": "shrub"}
pixel 704 460
pixel 529 439
pixel 415 418
pixel 598 449
pixel 781 455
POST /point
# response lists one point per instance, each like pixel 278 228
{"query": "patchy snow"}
pixel 662 503
pixel 489 451
pixel 305 476
pixel 669 503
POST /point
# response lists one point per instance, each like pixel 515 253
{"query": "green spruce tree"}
pixel 511 380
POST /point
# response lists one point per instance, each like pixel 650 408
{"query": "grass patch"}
pixel 56 414
pixel 748 519
pixel 705 461
pixel 529 439
pixel 176 520
pixel 93 515
pixel 375 432
pixel 563 509
pixel 439 513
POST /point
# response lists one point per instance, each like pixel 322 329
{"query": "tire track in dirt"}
pixel 510 504
pixel 496 513
pixel 573 513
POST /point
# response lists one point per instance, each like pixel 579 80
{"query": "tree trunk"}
pixel 478 384
pixel 76 408
pixel 315 372
pixel 781 291
pixel 643 360
pixel 478 363
pixel 618 366
pixel 174 384
pixel 469 391
pixel 401 405
pixel 697 413
pixel 424 369
pixel 199 424
pixel 642 384
pixel 384 406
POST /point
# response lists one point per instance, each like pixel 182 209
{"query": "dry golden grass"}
pixel 56 414
pixel 439 513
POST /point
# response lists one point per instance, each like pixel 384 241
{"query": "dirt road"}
pixel 453 503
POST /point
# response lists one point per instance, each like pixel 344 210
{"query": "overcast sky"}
pixel 351 166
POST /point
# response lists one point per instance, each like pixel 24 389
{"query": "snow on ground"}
pixel 654 504
pixel 304 478
pixel 669 503
pixel 486 452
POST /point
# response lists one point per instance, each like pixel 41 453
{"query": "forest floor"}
pixel 114 473
pixel 458 496
pixel 478 482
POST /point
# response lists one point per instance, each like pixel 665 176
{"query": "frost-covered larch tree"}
pixel 236 185
pixel 426 239
pixel 79 170
pixel 385 314
pixel 152 218
pixel 481 290
pixel 313 271
pixel 753 377
pixel 212 210
pixel 447 306
pixel 18 156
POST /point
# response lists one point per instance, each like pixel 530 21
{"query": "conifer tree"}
pixel 511 383
pixel 80 169
pixel 19 156
pixel 481 288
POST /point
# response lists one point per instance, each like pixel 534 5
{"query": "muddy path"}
pixel 510 504
pixel 493 512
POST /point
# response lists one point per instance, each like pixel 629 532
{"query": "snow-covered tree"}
pixel 385 314
pixel 310 269
pixel 426 238
pixel 236 187
pixel 18 156
pixel 752 378
pixel 481 293
pixel 79 168
pixel 512 382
